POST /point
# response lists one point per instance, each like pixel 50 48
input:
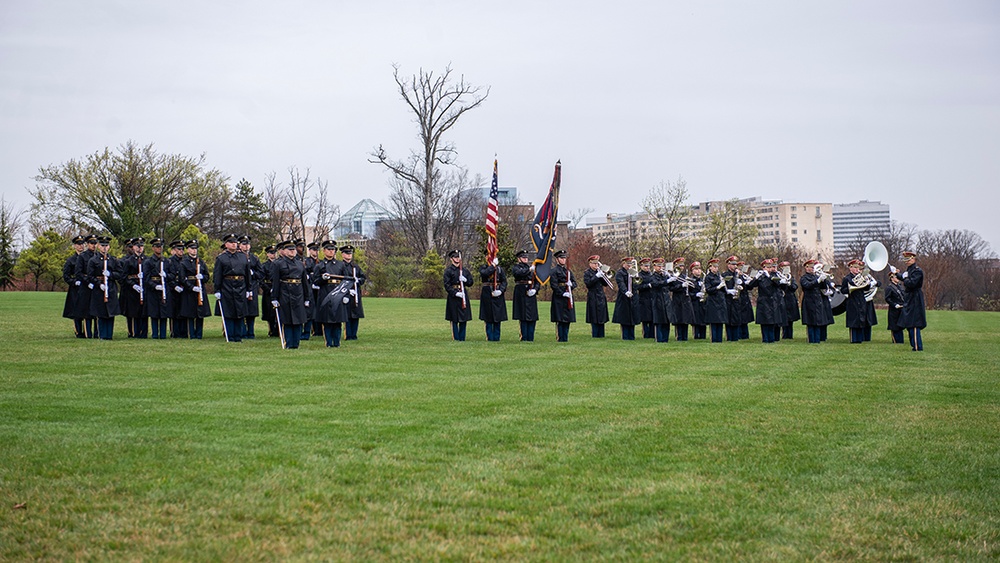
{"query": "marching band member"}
pixel 525 308
pixel 597 302
pixel 816 311
pixel 697 292
pixel 745 306
pixel 680 300
pixel 770 300
pixel 914 315
pixel 791 304
pixel 645 290
pixel 854 286
pixel 562 283
pixel 627 300
pixel 734 286
pixel 661 301
pixel 457 309
pixel 716 308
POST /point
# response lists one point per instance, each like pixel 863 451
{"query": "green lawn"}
pixel 406 445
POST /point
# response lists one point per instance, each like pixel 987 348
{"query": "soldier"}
pixel 791 303
pixel 597 303
pixel 854 286
pixel 525 308
pixel 103 273
pixel 355 307
pixel 309 261
pixel 816 311
pixel 492 305
pixel 716 308
pixel 895 299
pixel 158 296
pixel 682 310
pixel 71 309
pixel 330 312
pixel 289 282
pixel 231 280
pixel 645 290
pixel 627 300
pixel 256 276
pixel 457 308
pixel 734 286
pixel 770 300
pixel 83 303
pixel 132 298
pixel 191 283
pixel 744 305
pixel 266 310
pixel 175 271
pixel 698 297
pixel 562 283
pixel 661 301
pixel 914 314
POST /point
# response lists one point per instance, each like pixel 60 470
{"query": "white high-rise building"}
pixel 851 220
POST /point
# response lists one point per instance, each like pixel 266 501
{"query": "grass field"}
pixel 406 445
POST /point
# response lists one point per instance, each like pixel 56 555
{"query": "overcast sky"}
pixel 799 101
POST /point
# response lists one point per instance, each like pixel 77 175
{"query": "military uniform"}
pixel 231 280
pixel 159 296
pixel 103 274
pixel 734 286
pixel 525 307
pixel 492 305
pixel 626 302
pixel 74 291
pixel 193 280
pixel 256 277
pixel 266 309
pixel 355 306
pixel 682 311
pixel 290 295
pixel 914 313
pixel 645 290
pixel 133 293
pixel 457 310
pixel 791 306
pixel 331 302
pixel 697 294
pixel 895 299
pixel 816 311
pixel 562 311
pixel 770 301
pixel 311 328
pixel 175 271
pixel 661 302
pixel 716 308
pixel 597 301
pixel 857 319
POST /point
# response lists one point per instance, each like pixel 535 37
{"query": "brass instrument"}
pixel 605 273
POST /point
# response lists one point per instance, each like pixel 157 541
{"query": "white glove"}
pixel 347 300
pixel 178 289
pixel 103 287
pixel 722 285
pixel 77 283
pixel 821 276
pixel 140 275
pixel 731 291
pixel 137 288
pixel 159 287
pixel 495 261
pixel 671 279
pixel 460 294
pixel 249 295
pixel 905 274
pixel 462 279
pixel 700 294
pixel 199 277
pixel 314 286
pixel 532 292
pixel 353 292
pixel 497 293
pixel 218 295
pixel 892 269
pixel 899 306
pixel 760 273
pixel 567 294
pixel 307 303
pixel 90 286
pixel 106 274
pixel 628 294
pixel 532 268
pixel 275 304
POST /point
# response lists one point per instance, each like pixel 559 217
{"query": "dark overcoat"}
pixel 626 308
pixel 561 281
pixel 492 309
pixel 716 308
pixel 159 302
pixel 231 278
pixel 454 311
pixel 290 288
pixel 95 268
pixel 816 310
pixel 525 306
pixel 597 302
pixel 914 313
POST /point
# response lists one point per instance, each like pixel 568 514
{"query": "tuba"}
pixel 876 256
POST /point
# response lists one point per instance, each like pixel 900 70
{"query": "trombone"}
pixel 603 272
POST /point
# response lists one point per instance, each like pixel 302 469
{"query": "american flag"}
pixel 491 219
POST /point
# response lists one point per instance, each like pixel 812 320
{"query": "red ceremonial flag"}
pixel 543 232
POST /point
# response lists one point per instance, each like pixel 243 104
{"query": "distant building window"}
pixel 794 216
pixel 795 231
pixel 794 239
pixel 793 209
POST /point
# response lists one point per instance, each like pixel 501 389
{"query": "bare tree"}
pixel 279 219
pixel 574 217
pixel 437 103
pixel 327 212
pixel 669 211
pixel 730 229
pixel 300 200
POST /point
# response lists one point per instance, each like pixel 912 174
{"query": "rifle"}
pixel 460 282
pixel 142 286
pixel 163 283
pixel 197 272
pixel 569 285
pixel 106 281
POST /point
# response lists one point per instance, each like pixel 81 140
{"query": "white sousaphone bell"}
pixel 876 256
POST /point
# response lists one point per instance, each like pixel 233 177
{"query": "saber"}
pixel 281 328
pixel 225 331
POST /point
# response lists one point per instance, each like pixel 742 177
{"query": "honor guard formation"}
pixel 303 291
